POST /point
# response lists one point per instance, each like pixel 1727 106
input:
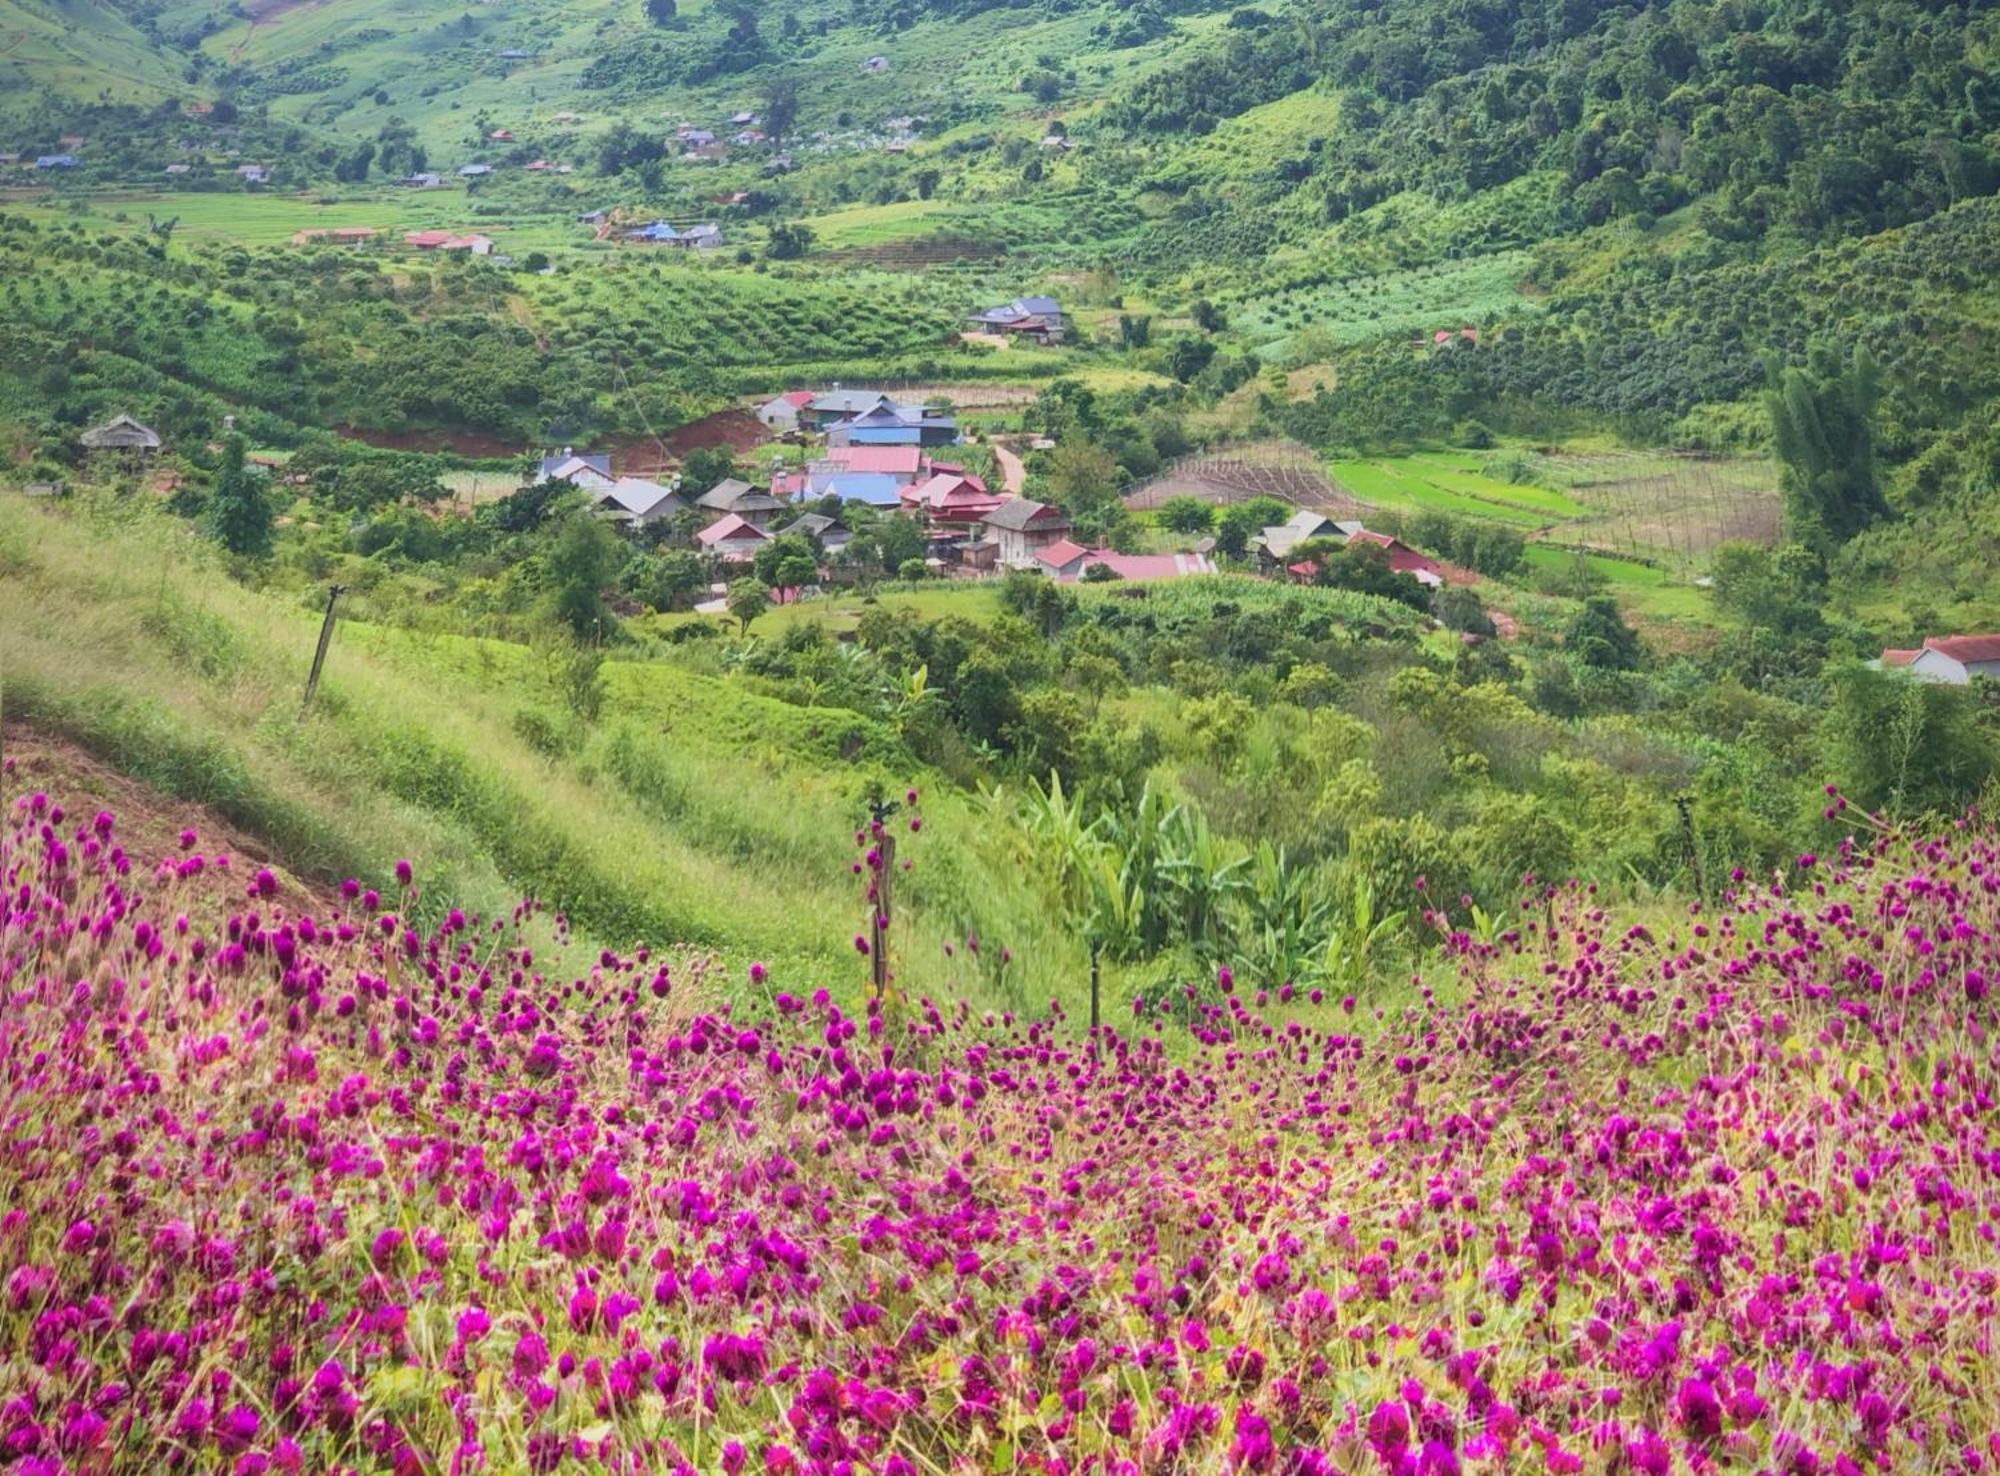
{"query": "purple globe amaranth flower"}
pixel 1698 1409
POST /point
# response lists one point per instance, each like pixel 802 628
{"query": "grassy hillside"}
pixel 696 811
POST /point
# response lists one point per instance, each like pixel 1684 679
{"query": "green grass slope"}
pixel 694 810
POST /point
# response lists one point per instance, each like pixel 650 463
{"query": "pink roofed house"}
pixel 906 462
pixel 1069 561
pixel 1950 660
pixel 734 539
pixel 1402 558
pixel 951 497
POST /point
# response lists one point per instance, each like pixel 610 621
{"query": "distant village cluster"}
pixel 869 451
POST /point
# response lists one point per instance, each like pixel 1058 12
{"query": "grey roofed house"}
pixel 513 53
pixel 832 534
pixel 424 181
pixel 179 169
pixel 122 433
pixel 847 402
pixel 636 502
pixel 1016 513
pixel 473 171
pixel 734 495
pixel 1301 526
pixel 566 466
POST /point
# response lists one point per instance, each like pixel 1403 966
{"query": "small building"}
pixel 122 433
pixel 742 120
pixel 1274 545
pixel 592 217
pixel 831 534
pixel 733 540
pixel 501 135
pixel 566 466
pixel 1021 528
pixel 875 65
pixel 634 502
pixel 474 171
pixel 782 414
pixel 1950 660
pixel 734 497
pixel 178 169
pixel 901 464
pixel 1068 562
pixel 513 53
pixel 57 161
pixel 423 181
pixel 835 405
pixel 659 233
pixel 890 424
pixel 703 237
pixel 1402 558
pixel 254 173
pixel 1038 318
pixel 951 496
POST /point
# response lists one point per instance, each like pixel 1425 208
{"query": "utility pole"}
pixel 333 593
pixel 1094 950
pixel 1684 802
pixel 880 895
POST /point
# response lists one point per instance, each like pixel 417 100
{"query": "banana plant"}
pixel 1282 922
pixel 1357 941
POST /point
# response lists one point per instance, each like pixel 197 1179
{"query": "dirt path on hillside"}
pixel 1013 475
pixel 149 823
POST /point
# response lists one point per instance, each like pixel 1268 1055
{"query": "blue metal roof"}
pixel 877 489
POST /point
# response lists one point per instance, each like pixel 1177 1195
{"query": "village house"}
pixel 733 540
pixel 875 475
pixel 474 171
pixel 1403 559
pixel 121 433
pixel 513 53
pixel 635 502
pixel 423 181
pixel 1274 545
pixel 254 173
pixel 890 424
pixel 782 414
pixel 733 497
pixel 1038 318
pixel 178 169
pixel 832 406
pixel 1021 528
pixel 501 135
pixel 831 534
pixel 566 466
pixel 1069 562
pixel 57 161
pixel 1949 660
pixel 875 65
pixel 950 497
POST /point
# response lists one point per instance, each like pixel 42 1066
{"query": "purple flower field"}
pixel 289 1192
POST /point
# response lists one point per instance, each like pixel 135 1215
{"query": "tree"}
pixel 1207 316
pixel 1243 521
pixel 239 511
pixel 1186 515
pixel 580 566
pixel 1905 746
pixel 661 12
pixel 705 466
pixel 666 580
pixel 1134 333
pixel 927 183
pixel 747 599
pixel 1188 357
pixel 1823 428
pixel 1079 475
pixel 787 562
pixel 1598 636
pixel 789 242
pixel 781 107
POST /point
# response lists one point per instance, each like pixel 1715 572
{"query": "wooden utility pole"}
pixel 882 896
pixel 333 593
pixel 1094 951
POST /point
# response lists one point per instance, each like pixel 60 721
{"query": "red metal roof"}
pixel 427 238
pixel 731 529
pixel 1894 656
pixel 1150 566
pixel 1060 553
pixel 1966 648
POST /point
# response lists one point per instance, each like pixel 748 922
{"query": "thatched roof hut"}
pixel 122 433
